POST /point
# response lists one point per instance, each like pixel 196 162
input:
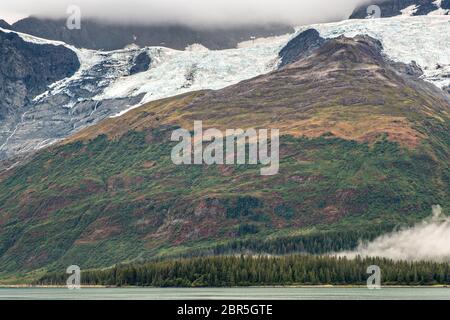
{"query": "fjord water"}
pixel 225 293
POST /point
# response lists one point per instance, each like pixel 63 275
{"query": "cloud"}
pixel 190 12
pixel 428 240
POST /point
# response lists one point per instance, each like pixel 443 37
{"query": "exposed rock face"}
pixel 26 69
pixel 51 120
pixel 392 8
pixel 32 115
pixel 4 24
pixel 309 41
pixel 107 84
pixel 103 36
pixel 301 46
pixel 447 89
pixel 411 69
pixel 141 63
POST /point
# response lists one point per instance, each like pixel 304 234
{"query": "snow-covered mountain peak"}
pixel 423 39
pixel 112 82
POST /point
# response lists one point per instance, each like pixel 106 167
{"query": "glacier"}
pixel 423 39
pixel 103 86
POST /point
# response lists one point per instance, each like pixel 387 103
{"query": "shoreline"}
pixel 25 286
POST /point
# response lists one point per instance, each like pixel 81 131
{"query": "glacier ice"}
pixel 78 101
pixel 423 39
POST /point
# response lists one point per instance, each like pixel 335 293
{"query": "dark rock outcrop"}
pixel 392 8
pixel 104 36
pixel 30 120
pixel 411 69
pixel 27 69
pixel 301 46
pixel 447 89
pixel 141 63
pixel 4 24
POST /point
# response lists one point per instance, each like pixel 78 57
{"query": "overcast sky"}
pixel 191 12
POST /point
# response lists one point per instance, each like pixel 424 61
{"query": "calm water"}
pixel 226 293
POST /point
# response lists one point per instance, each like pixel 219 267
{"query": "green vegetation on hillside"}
pixel 105 201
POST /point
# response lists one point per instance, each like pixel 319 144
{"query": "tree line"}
pixel 226 271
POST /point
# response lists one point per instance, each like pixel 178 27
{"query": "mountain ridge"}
pixel 109 36
pixel 106 84
pixel 392 8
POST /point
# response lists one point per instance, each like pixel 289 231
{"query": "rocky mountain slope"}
pixel 109 83
pixel 108 36
pixel 392 8
pixel 4 24
pixel 26 70
pixel 364 147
